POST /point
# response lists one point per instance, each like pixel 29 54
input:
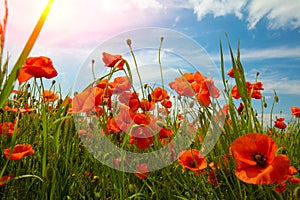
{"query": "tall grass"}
pixel 62 167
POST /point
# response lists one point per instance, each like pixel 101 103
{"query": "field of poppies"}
pixel 183 146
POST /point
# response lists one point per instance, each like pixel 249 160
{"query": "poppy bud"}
pixel 128 41
pixel 149 98
pixel 276 99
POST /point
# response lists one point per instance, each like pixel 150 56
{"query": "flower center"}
pixel 192 164
pixel 260 159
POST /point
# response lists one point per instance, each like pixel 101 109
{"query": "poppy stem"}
pixel 159 61
pixel 137 69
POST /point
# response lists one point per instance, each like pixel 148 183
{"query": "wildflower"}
pixel 88 174
pixel 181 87
pixel 111 126
pixel 279 123
pixel 256 160
pixel 142 171
pixel 141 118
pixel 295 111
pixel 252 89
pixel 166 103
pixel 19 151
pixel 87 100
pixel 112 60
pixel 159 94
pixel 212 178
pixel 141 136
pixel 230 73
pixel 37 67
pixel 7 128
pixel 121 84
pixel 123 118
pixel 49 96
pixel 21 110
pixel 165 133
pixel 193 160
pixel 198 85
pixel 5 179
pixel 240 108
pixel 287 178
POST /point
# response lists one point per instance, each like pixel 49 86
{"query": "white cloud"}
pixel 218 8
pixel 279 13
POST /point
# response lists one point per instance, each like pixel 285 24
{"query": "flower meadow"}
pixel 50 143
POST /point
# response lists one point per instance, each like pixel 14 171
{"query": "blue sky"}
pixel 269 32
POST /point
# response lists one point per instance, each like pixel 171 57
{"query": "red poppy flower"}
pixel 123 118
pixel 4 179
pixel 19 151
pixel 198 77
pixel 165 133
pixel 159 94
pixel 111 126
pixel 49 96
pixel 240 108
pixel 121 84
pixel 141 136
pixel 193 160
pixel 295 111
pixel 146 105
pixel 182 87
pixel 166 103
pixel 231 72
pixel 252 89
pixel 37 67
pixel 87 100
pixel 288 177
pixel 7 128
pixel 142 171
pixel 198 85
pixel 256 160
pixel 141 118
pixel 111 60
pixel 130 99
pixel 279 123
pixel 189 77
pixel 21 110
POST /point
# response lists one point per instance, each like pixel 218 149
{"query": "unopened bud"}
pixel 128 41
pixel 265 104
pixel 276 98
pixel 149 97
